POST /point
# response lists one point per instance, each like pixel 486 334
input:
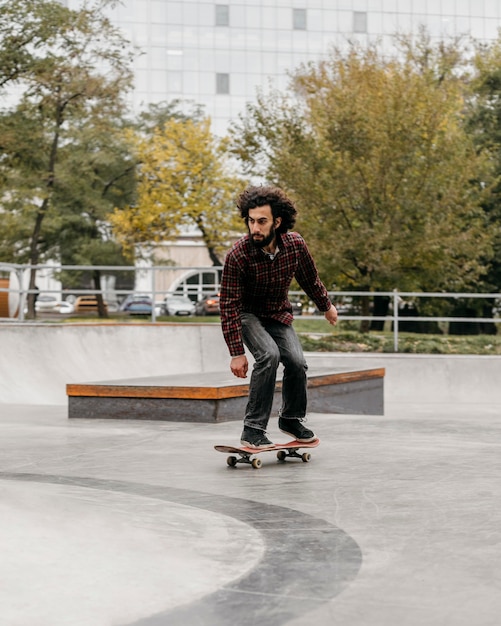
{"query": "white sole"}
pixel 309 440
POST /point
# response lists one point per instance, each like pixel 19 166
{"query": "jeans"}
pixel 271 342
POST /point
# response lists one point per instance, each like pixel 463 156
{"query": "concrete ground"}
pixel 395 521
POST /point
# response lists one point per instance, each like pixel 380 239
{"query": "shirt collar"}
pixel 269 254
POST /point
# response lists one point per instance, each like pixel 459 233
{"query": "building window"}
pixel 359 22
pixel 222 15
pixel 299 19
pixel 222 83
pixel 196 284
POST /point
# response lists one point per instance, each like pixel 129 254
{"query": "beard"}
pixel 262 243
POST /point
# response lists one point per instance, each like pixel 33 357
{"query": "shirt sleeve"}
pixel 230 303
pixel 309 280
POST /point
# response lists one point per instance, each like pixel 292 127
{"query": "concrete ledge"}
pixel 218 397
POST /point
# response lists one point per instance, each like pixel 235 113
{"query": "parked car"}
pixel 65 308
pixel 84 304
pixel 178 305
pixel 209 305
pixel 137 304
pixel 46 303
pixel 51 304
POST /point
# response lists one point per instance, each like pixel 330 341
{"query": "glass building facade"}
pixel 217 53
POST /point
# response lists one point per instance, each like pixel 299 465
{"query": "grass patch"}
pixel 411 343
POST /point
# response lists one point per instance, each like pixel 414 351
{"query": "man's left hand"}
pixel 331 315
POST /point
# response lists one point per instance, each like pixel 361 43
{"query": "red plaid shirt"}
pixel 254 283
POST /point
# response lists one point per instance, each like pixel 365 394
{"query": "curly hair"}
pixel 281 205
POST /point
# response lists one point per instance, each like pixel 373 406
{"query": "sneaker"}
pixel 255 438
pixel 294 428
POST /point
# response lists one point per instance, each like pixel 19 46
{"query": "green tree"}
pixel 99 175
pixel 484 124
pixel 389 183
pixel 157 114
pixel 71 71
pixel 183 180
pixel 25 27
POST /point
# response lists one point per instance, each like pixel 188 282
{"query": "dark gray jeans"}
pixel 270 343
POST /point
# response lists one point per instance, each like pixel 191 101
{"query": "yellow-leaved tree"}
pixel 184 179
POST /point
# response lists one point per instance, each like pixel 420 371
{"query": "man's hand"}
pixel 331 315
pixel 239 366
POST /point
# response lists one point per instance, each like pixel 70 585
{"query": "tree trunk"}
pixel 365 325
pixel 216 261
pixel 381 306
pixel 34 258
pixel 42 211
pixel 488 328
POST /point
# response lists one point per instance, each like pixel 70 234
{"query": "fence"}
pixel 15 290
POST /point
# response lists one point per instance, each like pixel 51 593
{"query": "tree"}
pixel 374 149
pixel 99 175
pixel 25 27
pixel 157 114
pixel 484 125
pixel 183 180
pixel 71 71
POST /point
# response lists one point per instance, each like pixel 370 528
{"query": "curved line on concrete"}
pixel 307 561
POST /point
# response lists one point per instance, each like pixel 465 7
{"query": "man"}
pixel 255 311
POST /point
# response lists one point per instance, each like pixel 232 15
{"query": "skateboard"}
pixel 283 450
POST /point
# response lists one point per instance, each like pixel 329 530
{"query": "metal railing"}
pixel 20 292
pixel 397 296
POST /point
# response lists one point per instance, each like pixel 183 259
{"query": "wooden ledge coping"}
pixel 219 385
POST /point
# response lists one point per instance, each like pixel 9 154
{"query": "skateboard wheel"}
pixel 281 455
pixel 256 463
pixel 306 456
pixel 232 461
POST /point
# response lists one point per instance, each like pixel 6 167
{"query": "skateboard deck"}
pixel 283 450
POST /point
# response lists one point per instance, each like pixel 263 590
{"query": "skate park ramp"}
pixel 39 360
pixel 394 521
